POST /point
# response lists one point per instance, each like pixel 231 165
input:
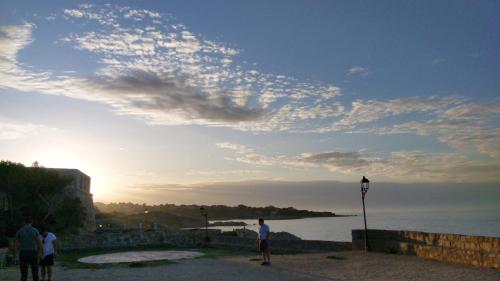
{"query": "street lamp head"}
pixel 365 185
pixel 364 180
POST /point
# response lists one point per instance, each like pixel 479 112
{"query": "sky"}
pixel 148 96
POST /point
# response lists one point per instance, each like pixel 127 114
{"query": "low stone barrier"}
pixel 479 251
pixel 191 238
pixel 133 238
pixel 283 246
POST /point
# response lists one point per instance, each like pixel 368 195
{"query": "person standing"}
pixel 49 240
pixel 263 240
pixel 30 245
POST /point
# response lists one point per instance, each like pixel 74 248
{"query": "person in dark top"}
pixel 263 239
pixel 30 246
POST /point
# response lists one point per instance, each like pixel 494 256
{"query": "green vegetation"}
pixel 39 193
pixel 190 216
pixel 336 258
pixel 150 263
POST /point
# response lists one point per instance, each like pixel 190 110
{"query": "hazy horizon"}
pixel 322 195
pixel 156 100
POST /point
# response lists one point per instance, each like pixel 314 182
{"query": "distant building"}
pixel 80 188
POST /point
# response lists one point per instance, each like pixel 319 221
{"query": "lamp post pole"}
pixel 146 211
pixel 205 214
pixel 365 184
pixel 5 205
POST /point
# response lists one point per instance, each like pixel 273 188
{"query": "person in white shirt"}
pixel 263 240
pixel 49 241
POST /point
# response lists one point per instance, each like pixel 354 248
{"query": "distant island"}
pixel 119 214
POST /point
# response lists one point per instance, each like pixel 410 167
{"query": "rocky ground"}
pixel 345 266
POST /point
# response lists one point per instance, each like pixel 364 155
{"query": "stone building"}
pixel 80 188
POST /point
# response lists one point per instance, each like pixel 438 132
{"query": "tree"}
pixel 41 194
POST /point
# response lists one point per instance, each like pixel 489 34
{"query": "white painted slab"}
pixel 141 256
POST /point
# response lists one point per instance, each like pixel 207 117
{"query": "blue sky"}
pixel 183 92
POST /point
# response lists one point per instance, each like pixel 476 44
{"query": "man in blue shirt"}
pixel 30 245
pixel 263 239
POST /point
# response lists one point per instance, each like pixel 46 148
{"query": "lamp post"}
pixel 204 213
pixel 4 209
pixel 365 185
pixel 4 203
pixel 146 211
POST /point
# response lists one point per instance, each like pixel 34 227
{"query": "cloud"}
pixel 358 70
pixel 16 130
pixel 336 160
pixel 139 15
pixel 160 187
pixel 400 166
pixel 438 61
pixel 238 148
pixel 158 99
pixel 152 66
pixel 74 13
pixel 212 175
pixel 462 125
pixel 166 100
pixel 373 110
pixel 12 39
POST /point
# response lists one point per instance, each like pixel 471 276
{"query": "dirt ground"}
pixel 342 266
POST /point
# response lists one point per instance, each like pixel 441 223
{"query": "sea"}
pixel 461 208
pixel 471 222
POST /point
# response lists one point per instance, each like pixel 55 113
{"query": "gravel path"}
pixel 355 267
pixel 374 267
pixel 204 269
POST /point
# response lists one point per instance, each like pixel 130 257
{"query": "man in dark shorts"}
pixel 263 239
pixel 30 245
pixel 49 253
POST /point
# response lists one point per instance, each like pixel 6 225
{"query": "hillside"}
pixel 190 215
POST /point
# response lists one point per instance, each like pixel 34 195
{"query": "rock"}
pixel 282 235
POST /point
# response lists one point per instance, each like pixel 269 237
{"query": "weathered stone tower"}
pixel 80 188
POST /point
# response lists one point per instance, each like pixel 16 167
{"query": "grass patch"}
pixel 336 258
pixel 69 259
pixel 391 251
pixel 149 263
pixel 221 252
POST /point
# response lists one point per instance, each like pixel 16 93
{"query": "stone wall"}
pixel 190 238
pixel 462 249
pixel 282 246
pixel 133 238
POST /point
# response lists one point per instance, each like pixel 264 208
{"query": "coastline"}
pixel 339 228
pixel 240 222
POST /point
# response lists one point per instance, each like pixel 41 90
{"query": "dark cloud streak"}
pixel 148 91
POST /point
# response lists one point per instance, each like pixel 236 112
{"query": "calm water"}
pixel 484 222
